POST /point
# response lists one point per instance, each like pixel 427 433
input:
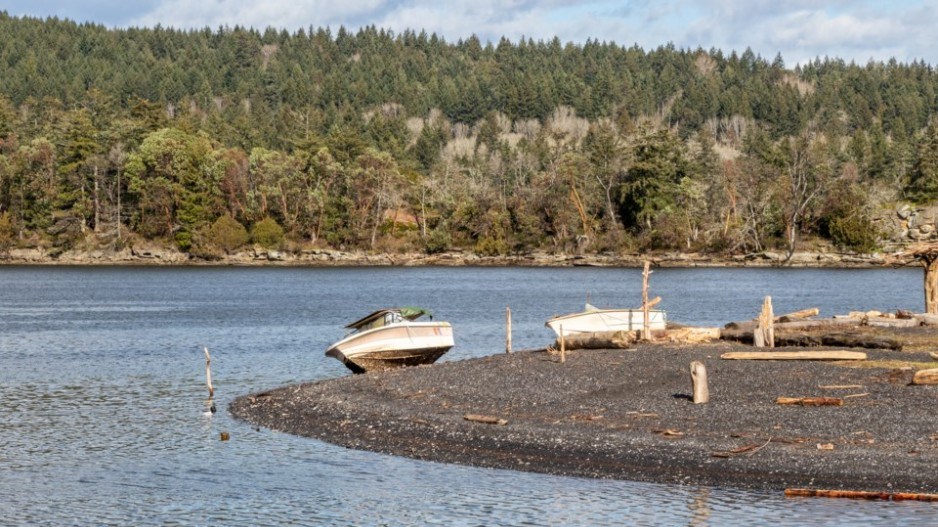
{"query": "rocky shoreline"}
pixel 627 415
pixel 156 255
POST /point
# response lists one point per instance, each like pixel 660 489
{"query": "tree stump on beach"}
pixel 698 376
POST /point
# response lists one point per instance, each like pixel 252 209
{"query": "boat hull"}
pixel 607 320
pixel 394 346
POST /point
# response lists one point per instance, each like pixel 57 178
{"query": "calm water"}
pixel 102 395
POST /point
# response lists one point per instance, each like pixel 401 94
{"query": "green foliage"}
pixel 506 147
pixel 923 186
pixel 267 233
pixel 489 246
pixel 7 232
pixel 437 241
pixel 227 234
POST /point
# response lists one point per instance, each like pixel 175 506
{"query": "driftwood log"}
pixel 795 355
pixel 806 339
pixel 598 340
pixel 860 495
pixel 926 376
pixel 798 324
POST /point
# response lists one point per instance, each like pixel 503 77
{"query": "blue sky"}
pixel 855 30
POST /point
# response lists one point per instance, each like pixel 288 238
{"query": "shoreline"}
pixel 155 256
pixel 617 414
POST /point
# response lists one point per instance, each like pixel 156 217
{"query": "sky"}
pixel 799 30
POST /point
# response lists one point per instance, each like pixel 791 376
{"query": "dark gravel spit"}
pixel 628 415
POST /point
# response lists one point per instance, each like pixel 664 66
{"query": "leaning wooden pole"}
pixel 208 373
pixel 646 316
pixel 508 329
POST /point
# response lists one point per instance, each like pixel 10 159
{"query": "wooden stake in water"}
pixel 508 329
pixel 208 373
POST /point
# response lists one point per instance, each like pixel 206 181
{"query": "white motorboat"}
pixel 392 338
pixel 594 320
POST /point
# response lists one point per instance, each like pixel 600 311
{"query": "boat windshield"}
pixel 390 317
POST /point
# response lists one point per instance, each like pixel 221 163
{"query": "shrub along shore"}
pixel 158 255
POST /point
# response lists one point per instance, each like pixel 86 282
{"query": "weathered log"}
pixel 811 324
pixel 797 324
pixel 926 376
pixel 811 401
pixel 692 335
pixel 798 315
pixel 837 339
pixel 598 340
pixel 860 494
pixel 698 377
pixel 795 355
pixel 893 322
pixel 927 319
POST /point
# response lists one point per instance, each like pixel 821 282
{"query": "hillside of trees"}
pixel 217 138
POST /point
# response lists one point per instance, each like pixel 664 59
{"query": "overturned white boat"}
pixel 595 320
pixel 392 338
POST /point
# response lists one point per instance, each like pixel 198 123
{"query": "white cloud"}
pixel 799 29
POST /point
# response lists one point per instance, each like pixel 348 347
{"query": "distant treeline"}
pixel 212 139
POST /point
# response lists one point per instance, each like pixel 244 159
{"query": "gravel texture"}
pixel 627 414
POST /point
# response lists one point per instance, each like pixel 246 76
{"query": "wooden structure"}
pixel 764 335
pixel 927 254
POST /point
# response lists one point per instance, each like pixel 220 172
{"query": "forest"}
pixel 213 140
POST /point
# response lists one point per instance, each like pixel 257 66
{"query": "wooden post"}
pixel 508 329
pixel 646 320
pixel 931 283
pixel 698 376
pixel 764 335
pixel 208 373
pixel 769 323
pixel 563 346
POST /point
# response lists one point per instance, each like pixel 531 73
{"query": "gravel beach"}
pixel 628 414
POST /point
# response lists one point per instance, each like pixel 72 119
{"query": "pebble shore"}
pixel 628 414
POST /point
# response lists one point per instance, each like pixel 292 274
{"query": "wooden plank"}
pixel 795 355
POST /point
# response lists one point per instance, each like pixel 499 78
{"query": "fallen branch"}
pixel 485 419
pixel 811 401
pixel 747 450
pixel 860 495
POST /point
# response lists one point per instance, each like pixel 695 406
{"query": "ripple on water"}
pixel 102 397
